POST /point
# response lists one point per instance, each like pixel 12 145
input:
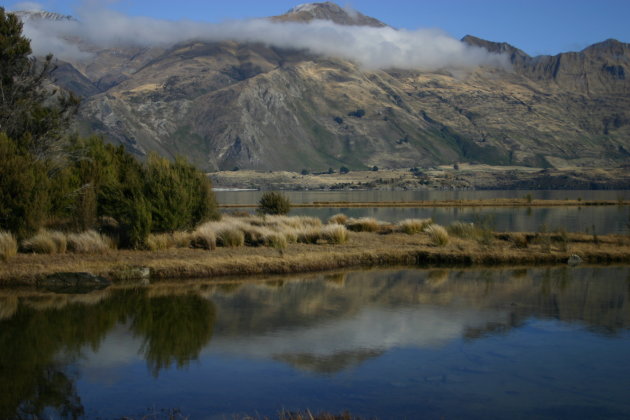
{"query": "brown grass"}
pixel 363 224
pixel 338 218
pixel 413 226
pixel 90 242
pixel 309 247
pixel 438 235
pixel 8 246
pixel 46 242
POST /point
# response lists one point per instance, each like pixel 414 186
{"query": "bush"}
pixel 411 226
pixel 274 203
pixel 438 235
pixel 8 246
pixel 344 170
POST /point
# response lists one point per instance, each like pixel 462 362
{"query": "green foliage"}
pixel 274 203
pixel 30 112
pixel 24 200
pixel 344 170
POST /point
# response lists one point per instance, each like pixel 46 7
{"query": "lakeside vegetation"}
pixel 85 189
pixel 265 244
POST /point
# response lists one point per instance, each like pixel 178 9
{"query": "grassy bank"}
pixel 348 243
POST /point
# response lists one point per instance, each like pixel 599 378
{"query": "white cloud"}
pixel 373 48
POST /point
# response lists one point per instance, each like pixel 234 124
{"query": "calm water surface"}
pixel 600 219
pixel 474 343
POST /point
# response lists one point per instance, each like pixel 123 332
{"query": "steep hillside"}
pixel 250 105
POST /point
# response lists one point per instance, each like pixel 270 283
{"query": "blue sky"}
pixel 536 26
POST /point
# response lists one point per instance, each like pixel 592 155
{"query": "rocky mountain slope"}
pixel 250 105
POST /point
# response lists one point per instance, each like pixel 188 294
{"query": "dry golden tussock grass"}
pixel 363 224
pixel 46 242
pixel 339 218
pixel 413 226
pixel 89 242
pixel 8 246
pixel 308 248
pixel 438 235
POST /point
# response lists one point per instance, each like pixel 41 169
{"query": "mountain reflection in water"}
pixel 59 352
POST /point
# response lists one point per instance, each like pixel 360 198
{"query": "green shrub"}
pixel 274 203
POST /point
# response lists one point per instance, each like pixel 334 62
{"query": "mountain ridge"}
pixel 228 104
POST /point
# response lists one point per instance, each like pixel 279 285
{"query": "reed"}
pixel 8 246
pixel 413 226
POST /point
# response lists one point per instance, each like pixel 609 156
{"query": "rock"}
pixel 73 282
pixel 574 260
pixel 131 273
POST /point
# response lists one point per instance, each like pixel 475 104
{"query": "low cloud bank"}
pixel 373 48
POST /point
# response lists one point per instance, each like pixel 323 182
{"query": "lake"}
pixel 600 219
pixel 545 342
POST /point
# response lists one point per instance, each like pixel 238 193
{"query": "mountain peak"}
pixel 307 12
pixel 35 15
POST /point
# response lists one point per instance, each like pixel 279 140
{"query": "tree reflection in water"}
pixel 38 347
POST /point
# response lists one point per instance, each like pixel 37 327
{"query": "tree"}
pixel 274 203
pixel 32 112
pixel 344 170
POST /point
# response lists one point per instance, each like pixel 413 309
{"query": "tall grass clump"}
pixel 204 237
pixel 46 242
pixel 438 235
pixel 364 224
pixel 462 230
pixel 339 219
pixel 160 241
pixel 230 236
pixel 412 226
pixel 8 246
pixel 89 242
pixel 275 240
pixel 308 235
pixel 335 234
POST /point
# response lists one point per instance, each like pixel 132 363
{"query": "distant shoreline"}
pixel 498 202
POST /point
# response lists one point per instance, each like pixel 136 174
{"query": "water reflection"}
pixel 64 355
pixel 46 333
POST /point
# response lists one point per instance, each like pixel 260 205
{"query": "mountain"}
pixel 251 105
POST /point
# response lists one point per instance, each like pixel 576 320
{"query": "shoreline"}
pixel 363 250
pixel 497 202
